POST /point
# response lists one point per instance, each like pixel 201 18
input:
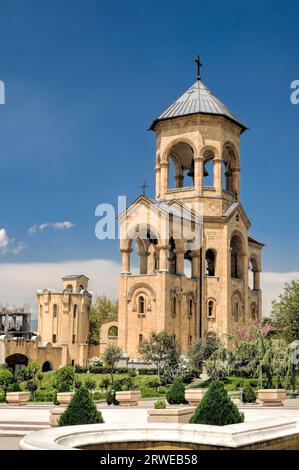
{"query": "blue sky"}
pixel 84 80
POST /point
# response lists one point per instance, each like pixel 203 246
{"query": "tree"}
pixel 64 378
pixel 31 386
pixel 6 379
pixel 81 410
pixel 160 349
pixel 111 356
pixel 285 312
pixel 220 364
pixel 103 309
pixel 90 384
pixel 216 408
pixel 201 350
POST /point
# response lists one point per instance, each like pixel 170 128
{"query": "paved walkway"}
pixel 18 421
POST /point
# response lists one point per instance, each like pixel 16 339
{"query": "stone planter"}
pixel 272 396
pixel 129 398
pixel 55 414
pixel 171 415
pixel 194 395
pixel 17 398
pixel 64 398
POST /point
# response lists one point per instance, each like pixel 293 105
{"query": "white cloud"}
pixel 8 245
pixel 272 286
pixel 4 240
pixel 19 281
pixel 66 225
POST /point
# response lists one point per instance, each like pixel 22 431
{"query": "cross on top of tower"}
pixel 143 187
pixel 198 65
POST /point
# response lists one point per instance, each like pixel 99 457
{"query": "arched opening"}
pixel 180 166
pixel 211 309
pixel 143 257
pixel 55 310
pixel 16 361
pixel 69 287
pixel 253 275
pixel 208 169
pixel 173 306
pixel 229 174
pixel 237 269
pixel 210 263
pixel 81 288
pixel 113 332
pixel 140 338
pixel 237 308
pixel 141 305
pixel 47 366
pixel 172 256
pixel 188 264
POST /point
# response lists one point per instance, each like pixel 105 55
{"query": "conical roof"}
pixel 198 99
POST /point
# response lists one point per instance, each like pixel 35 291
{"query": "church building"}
pixel 190 290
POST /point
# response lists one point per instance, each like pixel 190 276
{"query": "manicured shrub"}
pixel 63 387
pixel 64 377
pixel 248 394
pixel 104 384
pixel 14 387
pixel 159 405
pixel 78 384
pixel 31 386
pixel 90 384
pixel 81 410
pixel 176 394
pixel 216 408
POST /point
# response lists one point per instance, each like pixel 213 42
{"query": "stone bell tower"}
pixel 197 160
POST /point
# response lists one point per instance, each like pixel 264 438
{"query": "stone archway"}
pixel 47 366
pixel 16 361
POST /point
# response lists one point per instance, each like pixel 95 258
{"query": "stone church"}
pixel 190 290
pixel 198 269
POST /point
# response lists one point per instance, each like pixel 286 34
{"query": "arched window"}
pixel 113 332
pixel 229 174
pixel 69 287
pixel 237 308
pixel 190 308
pixel 236 257
pixel 140 339
pixel 173 306
pixel 141 305
pixel 190 340
pixel 55 310
pixel 208 169
pixel 81 287
pixel 188 264
pixel 210 263
pixel 180 166
pixel 211 309
pixel 75 308
pixel 253 275
pixel 172 256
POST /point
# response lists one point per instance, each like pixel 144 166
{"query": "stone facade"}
pixel 217 290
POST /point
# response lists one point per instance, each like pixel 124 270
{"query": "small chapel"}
pixel 189 289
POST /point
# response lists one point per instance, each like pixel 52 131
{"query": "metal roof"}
pixel 198 99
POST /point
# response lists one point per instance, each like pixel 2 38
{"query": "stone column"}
pixel 179 261
pixel 125 260
pixel 195 264
pixel 198 174
pixel 163 258
pixel 163 178
pixel 256 280
pixel 143 262
pixel 218 175
pixel 236 182
pixel 158 181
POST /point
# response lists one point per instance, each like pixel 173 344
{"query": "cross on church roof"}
pixel 198 65
pixel 143 187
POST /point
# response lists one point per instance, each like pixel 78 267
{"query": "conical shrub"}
pixel 81 410
pixel 176 394
pixel 216 408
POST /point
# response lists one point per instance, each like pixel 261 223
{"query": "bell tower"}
pixel 197 160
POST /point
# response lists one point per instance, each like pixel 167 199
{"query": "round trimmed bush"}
pixel 248 394
pixel 81 410
pixel 159 405
pixel 216 408
pixel 176 394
